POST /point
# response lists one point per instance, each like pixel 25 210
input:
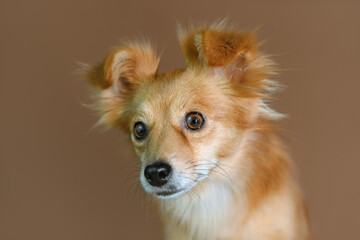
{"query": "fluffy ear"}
pixel 124 66
pixel 228 52
pixel 122 71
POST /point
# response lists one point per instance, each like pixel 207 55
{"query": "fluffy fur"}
pixel 234 175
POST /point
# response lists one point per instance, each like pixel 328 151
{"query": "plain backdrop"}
pixel 61 180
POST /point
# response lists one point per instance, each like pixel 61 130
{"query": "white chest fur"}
pixel 203 213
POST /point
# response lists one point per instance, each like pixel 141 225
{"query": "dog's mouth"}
pixel 167 193
pixel 171 194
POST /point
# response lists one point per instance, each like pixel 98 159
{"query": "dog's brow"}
pixel 143 113
pixel 185 103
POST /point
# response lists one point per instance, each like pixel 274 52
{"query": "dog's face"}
pixel 186 122
pixel 183 123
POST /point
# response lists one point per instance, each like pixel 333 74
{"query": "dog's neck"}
pixel 201 214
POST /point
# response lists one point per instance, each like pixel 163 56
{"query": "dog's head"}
pixel 184 123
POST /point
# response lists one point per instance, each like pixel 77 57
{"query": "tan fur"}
pixel 242 185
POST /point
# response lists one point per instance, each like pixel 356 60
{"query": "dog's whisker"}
pixel 131 186
pixel 192 179
pixel 227 176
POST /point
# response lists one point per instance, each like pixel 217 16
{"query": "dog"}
pixel 205 136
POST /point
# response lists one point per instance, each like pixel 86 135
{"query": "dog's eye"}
pixel 140 130
pixel 194 120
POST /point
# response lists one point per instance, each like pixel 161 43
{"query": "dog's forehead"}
pixel 162 88
pixel 174 91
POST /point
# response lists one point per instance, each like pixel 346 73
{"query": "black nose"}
pixel 158 173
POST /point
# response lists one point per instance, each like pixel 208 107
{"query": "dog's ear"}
pixel 115 79
pixel 124 67
pixel 228 52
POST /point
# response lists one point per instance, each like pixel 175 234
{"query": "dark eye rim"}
pixel 196 113
pixel 146 131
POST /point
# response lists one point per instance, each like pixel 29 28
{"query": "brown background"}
pixel 59 181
